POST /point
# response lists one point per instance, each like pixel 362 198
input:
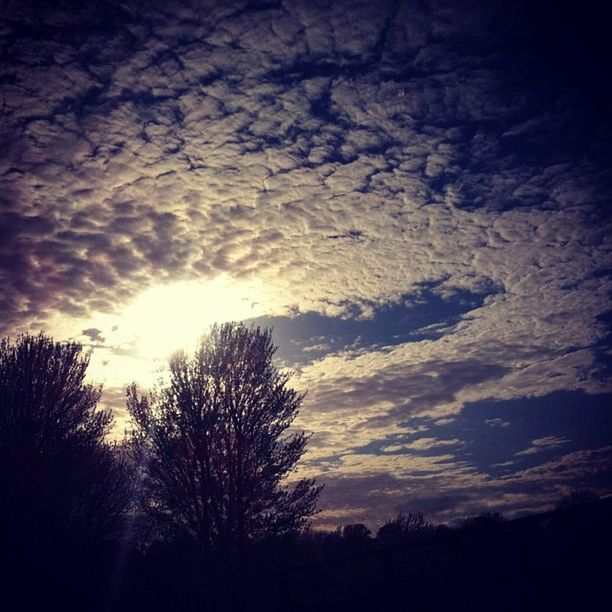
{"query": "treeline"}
pixel 552 561
pixel 192 510
pixel 556 560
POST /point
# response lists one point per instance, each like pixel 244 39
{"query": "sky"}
pixel 415 195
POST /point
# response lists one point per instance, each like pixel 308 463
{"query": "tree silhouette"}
pixel 403 528
pixel 356 532
pixel 482 522
pixel 214 445
pixel 356 538
pixel 64 492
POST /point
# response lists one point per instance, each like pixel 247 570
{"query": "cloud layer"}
pixel 341 156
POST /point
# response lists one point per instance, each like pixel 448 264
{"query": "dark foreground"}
pixel 554 561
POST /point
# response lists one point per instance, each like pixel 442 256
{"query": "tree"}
pixel 404 528
pixel 356 532
pixel 64 492
pixel 215 446
pixel 356 537
pixel 485 521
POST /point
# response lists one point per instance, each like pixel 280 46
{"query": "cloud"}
pixel 424 444
pixel 540 445
pixel 497 422
pixel 343 156
pixel 177 150
pixel 459 490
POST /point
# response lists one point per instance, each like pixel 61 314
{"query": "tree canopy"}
pixel 64 490
pixel 403 528
pixel 215 444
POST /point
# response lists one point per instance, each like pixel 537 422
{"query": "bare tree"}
pixel 215 445
pixel 403 528
pixel 64 492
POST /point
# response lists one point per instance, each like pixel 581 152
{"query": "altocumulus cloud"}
pixel 347 155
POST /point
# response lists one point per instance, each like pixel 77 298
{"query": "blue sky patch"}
pixel 497 432
pixel 426 316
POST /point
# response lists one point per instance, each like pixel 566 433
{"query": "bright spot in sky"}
pixel 170 317
pixel 134 343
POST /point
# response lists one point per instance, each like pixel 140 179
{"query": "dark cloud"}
pixel 95 335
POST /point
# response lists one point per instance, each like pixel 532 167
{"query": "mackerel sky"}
pixel 414 194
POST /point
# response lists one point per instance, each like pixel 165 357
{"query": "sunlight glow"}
pixel 134 343
pixel 169 317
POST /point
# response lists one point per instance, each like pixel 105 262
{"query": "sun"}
pixel 172 316
pixel 135 342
